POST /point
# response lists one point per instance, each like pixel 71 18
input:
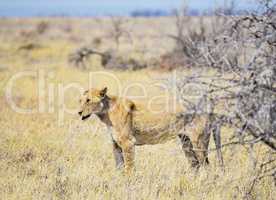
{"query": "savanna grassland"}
pixel 52 154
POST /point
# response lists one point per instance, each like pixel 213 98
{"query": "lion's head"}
pixel 93 101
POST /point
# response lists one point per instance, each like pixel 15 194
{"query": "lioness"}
pixel 122 119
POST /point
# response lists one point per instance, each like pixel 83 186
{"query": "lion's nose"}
pixel 80 113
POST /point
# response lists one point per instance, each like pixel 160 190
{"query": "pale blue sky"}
pixel 100 7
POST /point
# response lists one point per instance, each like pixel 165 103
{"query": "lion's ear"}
pixel 132 107
pixel 103 92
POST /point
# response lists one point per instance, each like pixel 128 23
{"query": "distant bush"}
pixel 149 13
pixel 109 60
pixel 42 27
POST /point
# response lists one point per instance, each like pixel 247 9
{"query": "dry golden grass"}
pixel 42 159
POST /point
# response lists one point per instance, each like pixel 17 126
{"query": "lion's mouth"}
pixel 85 117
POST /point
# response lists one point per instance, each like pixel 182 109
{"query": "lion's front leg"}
pixel 124 148
pixel 118 155
pixel 128 154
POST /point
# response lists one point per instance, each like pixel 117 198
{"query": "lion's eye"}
pixel 87 100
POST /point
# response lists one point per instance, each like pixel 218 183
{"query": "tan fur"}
pixel 129 129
